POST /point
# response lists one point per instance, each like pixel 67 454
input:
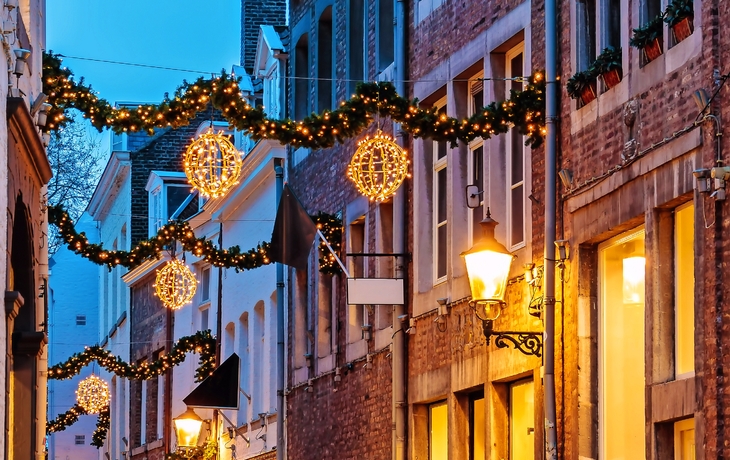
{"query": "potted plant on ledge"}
pixel 679 15
pixel 647 38
pixel 583 85
pixel 608 66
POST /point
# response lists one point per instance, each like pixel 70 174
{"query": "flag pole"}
pixel 324 240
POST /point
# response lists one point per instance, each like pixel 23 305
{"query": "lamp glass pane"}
pixel 488 272
pixel 188 431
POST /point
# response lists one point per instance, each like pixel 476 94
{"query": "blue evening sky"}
pixel 182 34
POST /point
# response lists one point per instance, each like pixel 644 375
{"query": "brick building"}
pixel 638 373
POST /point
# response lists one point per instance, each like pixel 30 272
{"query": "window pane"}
pixel 613 26
pixel 622 267
pixel 518 215
pixel 517 154
pixel 441 255
pixel 522 420
pixel 175 197
pixel 478 447
pixel 477 178
pixel 516 71
pixel 442 190
pixel 204 319
pixel 205 285
pixel 685 287
pixel 684 440
pixel 478 100
pixel 442 147
pixel 438 439
pixel 586 23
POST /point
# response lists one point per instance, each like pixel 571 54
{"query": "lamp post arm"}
pixel 235 428
pixel 529 343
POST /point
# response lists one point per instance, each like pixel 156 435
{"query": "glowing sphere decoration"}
pixel 93 395
pixel 175 284
pixel 378 167
pixel 212 164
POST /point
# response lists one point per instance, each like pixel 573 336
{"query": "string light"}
pixel 378 167
pixel 175 284
pixel 212 164
pixel 93 394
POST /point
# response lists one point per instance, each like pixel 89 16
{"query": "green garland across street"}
pixel 524 110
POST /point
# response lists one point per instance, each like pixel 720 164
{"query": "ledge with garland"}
pixel 524 110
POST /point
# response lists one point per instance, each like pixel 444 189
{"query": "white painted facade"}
pixel 73 323
pixel 248 299
pixel 110 206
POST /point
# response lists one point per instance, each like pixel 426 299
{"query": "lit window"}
pixel 80 439
pixel 477 427
pixel 438 431
pixel 522 420
pixel 440 202
pixel 514 62
pixel 684 439
pixel 621 375
pixel 684 282
pixel 81 320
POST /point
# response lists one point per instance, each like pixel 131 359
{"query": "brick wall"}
pixel 253 14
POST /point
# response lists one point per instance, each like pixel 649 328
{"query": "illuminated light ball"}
pixel 212 164
pixel 175 284
pixel 378 167
pixel 93 394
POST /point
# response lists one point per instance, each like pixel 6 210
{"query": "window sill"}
pixel 606 102
pixel 325 364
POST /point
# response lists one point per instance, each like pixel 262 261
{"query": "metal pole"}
pixel 551 112
pixel 280 362
pixel 399 402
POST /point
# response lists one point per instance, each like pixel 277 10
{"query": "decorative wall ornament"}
pixel 378 167
pixel 175 284
pixel 93 394
pixel 212 164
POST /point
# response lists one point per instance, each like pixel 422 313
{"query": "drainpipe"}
pixel 280 361
pixel 399 402
pixel 551 113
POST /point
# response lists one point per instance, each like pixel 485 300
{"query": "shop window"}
pixel 438 431
pixel 684 439
pixel 477 427
pixel 621 346
pixel 684 282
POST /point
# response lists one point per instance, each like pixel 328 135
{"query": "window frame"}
pixel 440 164
pixel 81 320
pixel 518 49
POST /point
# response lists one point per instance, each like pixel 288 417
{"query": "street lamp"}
pixel 187 429
pixel 488 265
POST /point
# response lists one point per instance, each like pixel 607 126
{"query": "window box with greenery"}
pixel 582 85
pixel 608 65
pixel 648 38
pixel 679 16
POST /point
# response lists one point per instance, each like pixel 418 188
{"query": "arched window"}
pixel 301 78
pixel 324 60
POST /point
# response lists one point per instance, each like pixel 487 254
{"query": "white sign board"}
pixel 375 291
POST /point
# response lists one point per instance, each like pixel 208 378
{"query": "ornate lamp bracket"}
pixel 529 343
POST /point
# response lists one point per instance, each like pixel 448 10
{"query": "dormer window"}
pixel 168 191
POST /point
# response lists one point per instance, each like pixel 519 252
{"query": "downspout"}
pixel 280 311
pixel 280 361
pixel 551 113
pixel 399 403
pixel 218 324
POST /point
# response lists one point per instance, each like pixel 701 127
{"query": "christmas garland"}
pixel 524 110
pixel 102 427
pixel 72 415
pixel 330 225
pixel 202 343
pixel 65 420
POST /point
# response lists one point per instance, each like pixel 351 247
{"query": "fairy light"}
pixel 175 284
pixel 378 167
pixel 93 394
pixel 212 164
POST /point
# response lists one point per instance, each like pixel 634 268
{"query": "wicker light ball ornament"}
pixel 378 167
pixel 212 164
pixel 175 284
pixel 93 394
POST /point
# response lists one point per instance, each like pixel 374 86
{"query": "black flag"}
pixel 293 234
pixel 220 389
